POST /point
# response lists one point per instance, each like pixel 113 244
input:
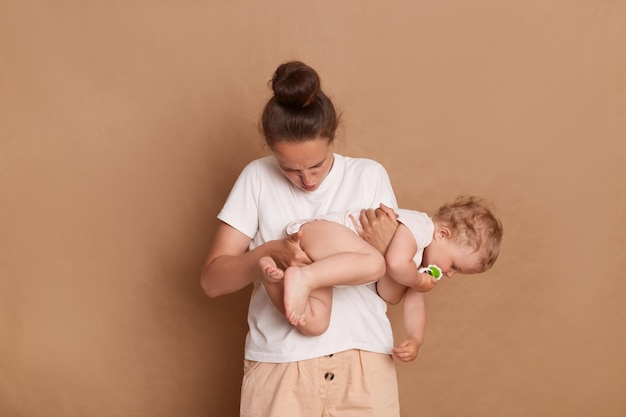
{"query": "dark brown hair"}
pixel 299 110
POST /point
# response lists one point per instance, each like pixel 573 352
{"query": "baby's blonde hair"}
pixel 472 224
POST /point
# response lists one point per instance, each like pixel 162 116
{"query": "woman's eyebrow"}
pixel 312 166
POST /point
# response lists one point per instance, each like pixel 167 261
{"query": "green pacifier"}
pixel 433 270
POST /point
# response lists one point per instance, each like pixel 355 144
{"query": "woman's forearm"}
pixel 229 266
pixel 226 274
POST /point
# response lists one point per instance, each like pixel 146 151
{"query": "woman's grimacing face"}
pixel 305 164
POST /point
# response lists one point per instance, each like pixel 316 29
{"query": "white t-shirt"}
pixel 260 205
pixel 422 228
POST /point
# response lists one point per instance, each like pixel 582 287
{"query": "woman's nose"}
pixel 306 178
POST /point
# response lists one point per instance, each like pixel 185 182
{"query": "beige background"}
pixel 123 125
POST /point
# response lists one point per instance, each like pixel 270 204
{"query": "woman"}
pixel 348 369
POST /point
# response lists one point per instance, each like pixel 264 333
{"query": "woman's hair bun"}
pixel 295 84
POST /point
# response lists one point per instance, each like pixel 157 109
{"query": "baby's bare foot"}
pixel 269 268
pixel 296 319
pixel 297 293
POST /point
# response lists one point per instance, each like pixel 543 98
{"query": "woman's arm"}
pixel 377 226
pixel 229 266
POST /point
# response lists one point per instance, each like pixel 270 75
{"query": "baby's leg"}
pixel 340 257
pixel 317 316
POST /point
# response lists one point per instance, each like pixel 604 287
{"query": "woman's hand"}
pixel 377 226
pixel 287 252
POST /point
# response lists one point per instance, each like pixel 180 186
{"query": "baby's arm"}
pixel 414 312
pixel 390 290
pixel 400 265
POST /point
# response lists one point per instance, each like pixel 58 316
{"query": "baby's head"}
pixel 469 227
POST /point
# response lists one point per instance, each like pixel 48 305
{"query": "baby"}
pixel 461 237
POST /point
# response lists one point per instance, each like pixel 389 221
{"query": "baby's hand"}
pixel 429 275
pixel 407 350
pixel 433 270
pixel 427 283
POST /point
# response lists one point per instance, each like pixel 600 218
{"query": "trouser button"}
pixel 329 376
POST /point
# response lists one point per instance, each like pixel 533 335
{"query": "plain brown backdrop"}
pixel 123 125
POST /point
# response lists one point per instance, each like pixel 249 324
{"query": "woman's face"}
pixel 306 164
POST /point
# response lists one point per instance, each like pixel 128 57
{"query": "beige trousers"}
pixel 352 383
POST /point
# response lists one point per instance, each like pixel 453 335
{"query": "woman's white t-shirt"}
pixel 260 205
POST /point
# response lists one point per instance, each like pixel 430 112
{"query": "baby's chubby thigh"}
pixel 323 238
